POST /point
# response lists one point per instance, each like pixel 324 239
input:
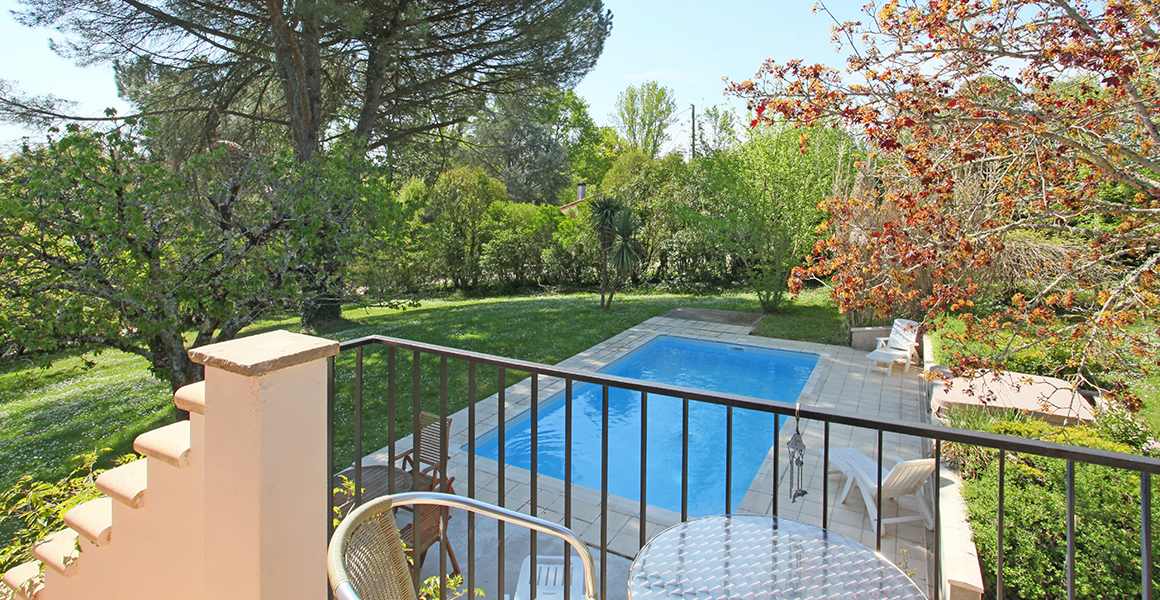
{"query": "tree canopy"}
pixel 993 122
pixel 381 71
pixel 519 143
pixel 643 114
pixel 103 247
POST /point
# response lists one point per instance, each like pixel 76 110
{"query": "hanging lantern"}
pixel 797 452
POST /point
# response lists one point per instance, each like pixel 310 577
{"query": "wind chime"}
pixel 797 452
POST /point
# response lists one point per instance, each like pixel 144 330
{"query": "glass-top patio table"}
pixel 753 556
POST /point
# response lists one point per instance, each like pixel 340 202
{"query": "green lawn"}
pixel 50 415
pixel 809 317
pixel 1148 389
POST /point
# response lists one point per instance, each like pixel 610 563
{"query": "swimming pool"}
pixel 714 366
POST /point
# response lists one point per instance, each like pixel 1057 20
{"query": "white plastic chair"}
pixel 902 343
pixel 907 478
pixel 550 579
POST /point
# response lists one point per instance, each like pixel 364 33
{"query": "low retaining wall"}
pixel 960 577
pixel 866 338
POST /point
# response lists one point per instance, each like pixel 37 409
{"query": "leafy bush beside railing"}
pixel 30 509
pixel 1107 505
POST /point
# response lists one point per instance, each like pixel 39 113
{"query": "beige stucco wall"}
pixel 265 501
pixel 246 517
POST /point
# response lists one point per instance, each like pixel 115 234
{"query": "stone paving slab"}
pixel 839 381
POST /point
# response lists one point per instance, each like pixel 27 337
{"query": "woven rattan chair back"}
pixel 369 554
pixel 365 559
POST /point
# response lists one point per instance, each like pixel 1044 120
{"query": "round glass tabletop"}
pixel 752 556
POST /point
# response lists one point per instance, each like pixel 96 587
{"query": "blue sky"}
pixel 690 45
pixel 682 44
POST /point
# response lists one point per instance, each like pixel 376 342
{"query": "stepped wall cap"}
pixel 265 353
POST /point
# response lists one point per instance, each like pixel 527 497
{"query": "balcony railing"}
pixel 422 376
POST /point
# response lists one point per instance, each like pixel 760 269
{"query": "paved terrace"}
pixel 838 382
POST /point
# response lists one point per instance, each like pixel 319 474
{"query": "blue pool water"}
pixel 746 370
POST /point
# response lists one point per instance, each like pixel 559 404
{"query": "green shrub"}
pixel 1035 511
pixel 517 236
pixel 973 459
pixel 30 510
pixel 1034 360
pixel 569 259
pixel 1116 423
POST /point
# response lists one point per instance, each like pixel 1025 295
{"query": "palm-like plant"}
pixel 616 230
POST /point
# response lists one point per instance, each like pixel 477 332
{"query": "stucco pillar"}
pixel 265 466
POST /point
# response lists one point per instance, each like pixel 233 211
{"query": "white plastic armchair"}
pixel 366 561
pixel 907 478
pixel 902 343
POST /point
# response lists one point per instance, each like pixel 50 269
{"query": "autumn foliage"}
pixel 1015 158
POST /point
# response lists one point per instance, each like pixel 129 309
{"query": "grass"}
pixel 1147 387
pixel 51 415
pixel 809 317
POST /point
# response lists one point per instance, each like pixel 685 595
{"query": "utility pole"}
pixel 693 155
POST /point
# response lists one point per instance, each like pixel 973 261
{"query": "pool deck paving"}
pixel 839 382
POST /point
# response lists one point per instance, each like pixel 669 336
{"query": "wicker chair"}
pixel 366 559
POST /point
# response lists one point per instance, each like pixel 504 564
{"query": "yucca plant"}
pixel 616 229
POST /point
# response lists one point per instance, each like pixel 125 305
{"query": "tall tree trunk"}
pixel 297 56
pixel 372 93
pixel 297 53
pixel 170 360
pixel 603 278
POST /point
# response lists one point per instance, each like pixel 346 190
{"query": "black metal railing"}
pixel 460 372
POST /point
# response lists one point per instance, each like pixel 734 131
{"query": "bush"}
pixel 1035 511
pixel 30 510
pixel 456 213
pixel 1116 423
pixel 517 236
pixel 1034 360
pixel 573 251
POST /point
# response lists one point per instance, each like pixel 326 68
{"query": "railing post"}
pixel 265 466
pixel 878 496
pixel 826 475
pixel 999 533
pixel 470 473
pixel 937 553
pixel 358 435
pixel 568 485
pixel 776 461
pixel 1146 535
pixel 684 454
pixel 1071 530
pixel 728 459
pixel 643 537
pixel 604 491
pixel 330 393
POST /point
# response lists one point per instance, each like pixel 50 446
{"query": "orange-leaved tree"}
pixel 1016 158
